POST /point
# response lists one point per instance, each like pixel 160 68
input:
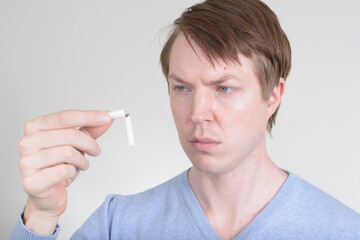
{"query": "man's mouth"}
pixel 203 144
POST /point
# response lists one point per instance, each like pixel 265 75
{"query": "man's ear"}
pixel 275 97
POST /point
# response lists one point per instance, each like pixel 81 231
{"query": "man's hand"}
pixel 52 154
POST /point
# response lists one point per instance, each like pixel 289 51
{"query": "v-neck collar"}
pixel 255 225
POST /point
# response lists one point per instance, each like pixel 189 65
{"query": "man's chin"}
pixel 206 163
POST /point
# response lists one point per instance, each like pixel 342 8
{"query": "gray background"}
pixel 57 55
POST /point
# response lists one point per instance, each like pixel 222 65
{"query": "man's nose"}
pixel 202 107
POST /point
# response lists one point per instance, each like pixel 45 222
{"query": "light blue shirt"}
pixel 171 211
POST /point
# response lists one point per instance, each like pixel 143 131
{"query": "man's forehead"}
pixel 185 49
pixel 187 60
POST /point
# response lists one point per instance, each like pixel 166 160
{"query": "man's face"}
pixel 218 109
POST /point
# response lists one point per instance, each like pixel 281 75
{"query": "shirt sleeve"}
pixel 21 232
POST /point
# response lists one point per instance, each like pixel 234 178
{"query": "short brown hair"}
pixel 224 28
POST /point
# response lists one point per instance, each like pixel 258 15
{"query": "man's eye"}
pixel 226 89
pixel 180 88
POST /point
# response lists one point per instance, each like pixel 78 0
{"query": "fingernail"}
pixel 98 151
pixel 104 118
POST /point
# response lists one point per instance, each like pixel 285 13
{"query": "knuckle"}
pixel 73 178
pixel 63 172
pixel 66 171
pixel 64 116
pixel 69 152
pixel 29 127
pixel 72 171
pixel 23 164
pixel 23 144
pixel 27 184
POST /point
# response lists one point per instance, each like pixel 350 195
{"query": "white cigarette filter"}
pixel 117 114
pixel 123 114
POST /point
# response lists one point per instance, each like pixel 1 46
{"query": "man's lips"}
pixel 203 144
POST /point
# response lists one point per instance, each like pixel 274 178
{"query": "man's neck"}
pixel 233 199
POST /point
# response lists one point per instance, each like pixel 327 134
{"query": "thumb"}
pixel 96 132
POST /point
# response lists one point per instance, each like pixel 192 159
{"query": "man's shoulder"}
pixel 313 199
pixel 309 208
pixel 300 209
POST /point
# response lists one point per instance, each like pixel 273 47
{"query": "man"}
pixel 226 63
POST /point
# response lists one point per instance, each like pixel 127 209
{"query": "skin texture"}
pixel 221 119
pixel 52 154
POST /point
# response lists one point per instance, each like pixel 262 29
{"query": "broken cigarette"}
pixel 123 114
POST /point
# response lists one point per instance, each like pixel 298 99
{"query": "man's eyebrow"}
pixel 173 76
pixel 218 81
pixel 223 79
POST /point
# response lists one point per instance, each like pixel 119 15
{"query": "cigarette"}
pixel 123 114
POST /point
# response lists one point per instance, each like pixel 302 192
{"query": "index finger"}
pixel 68 119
